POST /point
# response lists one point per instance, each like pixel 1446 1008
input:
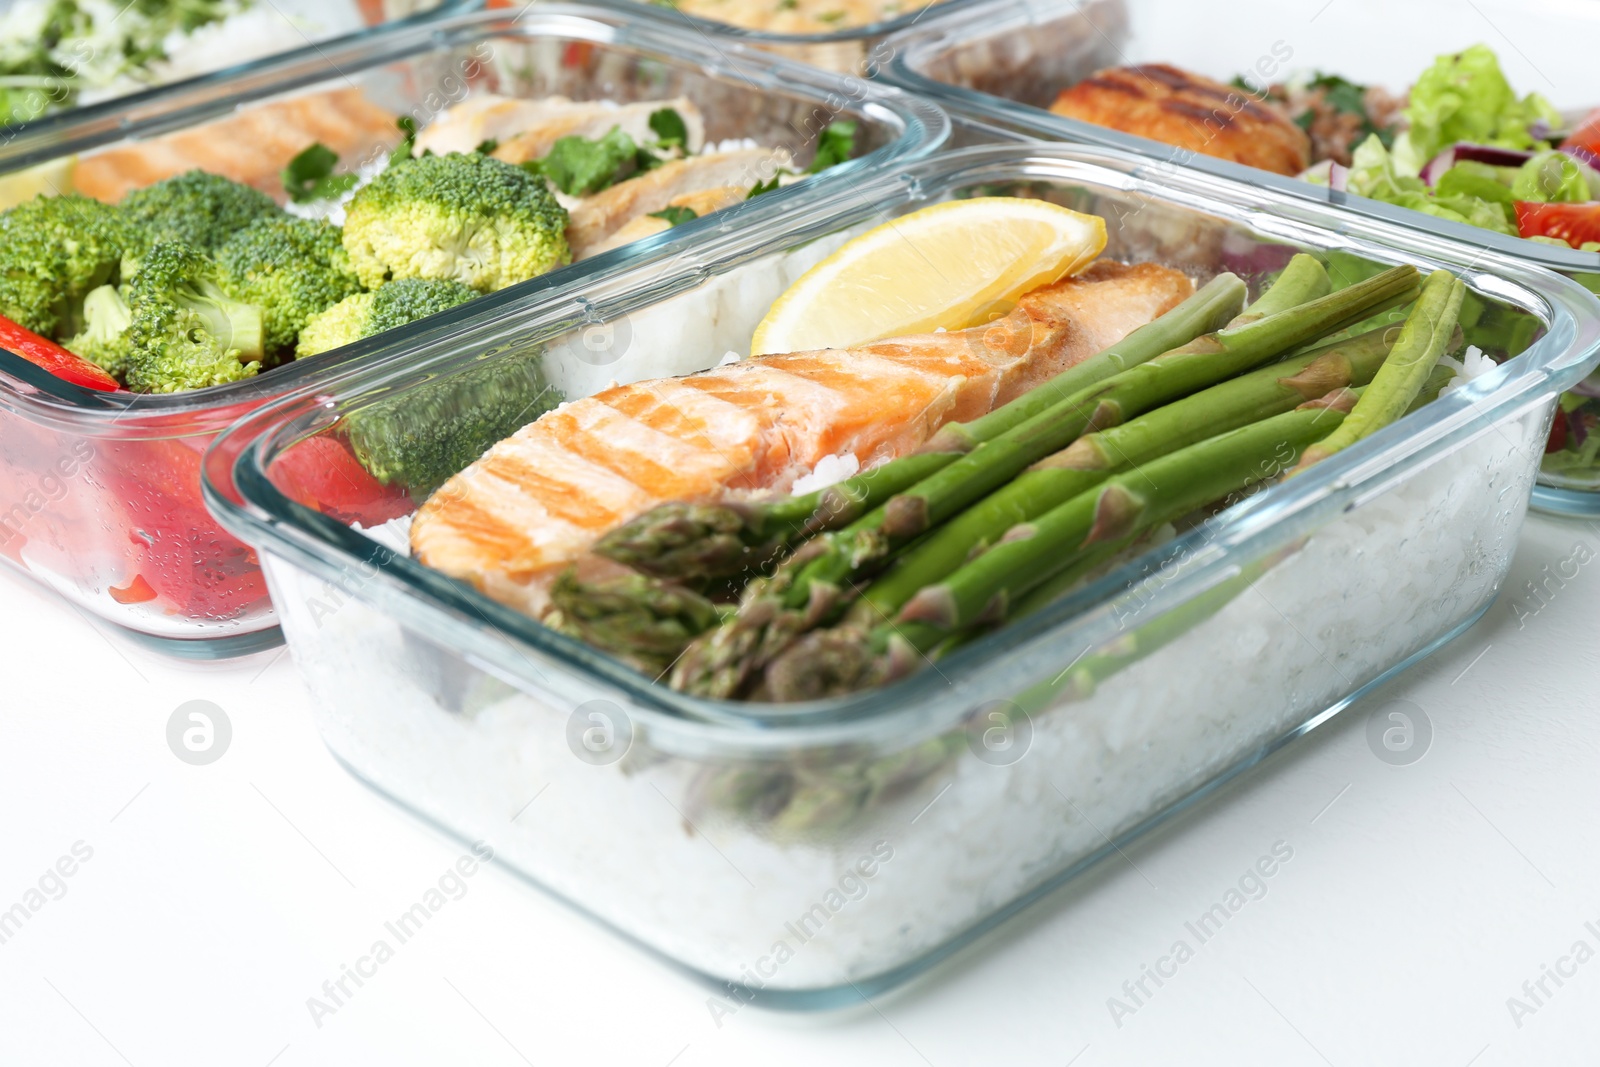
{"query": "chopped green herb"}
pixel 581 167
pixel 831 16
pixel 835 144
pixel 788 5
pixel 310 176
pixel 762 187
pixel 408 144
pixel 486 147
pixel 670 129
pixel 675 216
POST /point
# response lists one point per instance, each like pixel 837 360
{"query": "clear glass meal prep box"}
pixel 314 22
pixel 814 853
pixel 99 492
pixel 997 71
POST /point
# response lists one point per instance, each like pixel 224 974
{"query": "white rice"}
pixel 830 470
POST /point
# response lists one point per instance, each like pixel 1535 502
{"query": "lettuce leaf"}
pixel 1375 174
pixel 1465 97
pixel 1551 178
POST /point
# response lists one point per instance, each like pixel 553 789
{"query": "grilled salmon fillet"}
pixel 701 202
pixel 595 218
pixel 1186 110
pixel 535 502
pixel 251 146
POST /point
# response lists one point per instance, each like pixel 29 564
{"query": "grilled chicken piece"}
pixel 251 146
pixel 701 202
pixel 596 218
pixel 1167 104
pixel 538 500
pixel 526 129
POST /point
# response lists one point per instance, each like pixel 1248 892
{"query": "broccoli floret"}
pixel 198 209
pixel 30 301
pixel 187 333
pixel 462 216
pixel 421 438
pixel 53 251
pixel 104 340
pixel 388 307
pixel 292 269
pixel 342 324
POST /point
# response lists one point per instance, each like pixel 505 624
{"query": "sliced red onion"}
pixel 1579 426
pixel 1494 157
pixel 1438 165
pixel 1587 156
pixel 1540 130
pixel 1338 177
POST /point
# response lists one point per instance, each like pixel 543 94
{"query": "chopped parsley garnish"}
pixel 762 187
pixel 486 147
pixel 670 129
pixel 310 176
pixel 831 16
pixel 675 215
pixel 835 144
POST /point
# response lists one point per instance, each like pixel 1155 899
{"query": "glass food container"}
pixel 805 855
pixel 997 71
pixel 217 51
pixel 100 492
pixel 830 42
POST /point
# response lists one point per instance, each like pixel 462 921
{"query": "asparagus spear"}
pixel 642 621
pixel 1423 338
pixel 1210 359
pixel 805 591
pixel 846 658
pixel 1095 457
pixel 711 540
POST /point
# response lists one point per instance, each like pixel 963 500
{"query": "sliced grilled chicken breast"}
pixel 1187 110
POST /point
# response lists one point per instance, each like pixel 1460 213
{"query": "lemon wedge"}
pixel 955 265
pixel 49 178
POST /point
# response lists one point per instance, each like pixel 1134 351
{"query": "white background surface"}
pixel 219 898
pixel 1418 900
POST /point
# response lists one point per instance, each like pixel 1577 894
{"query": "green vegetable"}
pixel 675 216
pixel 1423 339
pixel 670 129
pixel 581 167
pixel 292 269
pixel 1097 456
pixel 841 661
pixel 1478 180
pixel 835 145
pixel 53 251
pixel 1465 97
pixel 197 209
pixel 462 216
pixel 487 147
pixel 422 438
pixel 1550 178
pixel 104 338
pixel 1375 173
pixel 186 332
pixel 309 175
pixel 388 307
pixel 760 187
pixel 51 50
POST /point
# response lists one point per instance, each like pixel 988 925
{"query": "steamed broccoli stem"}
pixel 198 209
pixel 462 217
pixel 104 340
pixel 420 440
pixel 293 269
pixel 186 333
